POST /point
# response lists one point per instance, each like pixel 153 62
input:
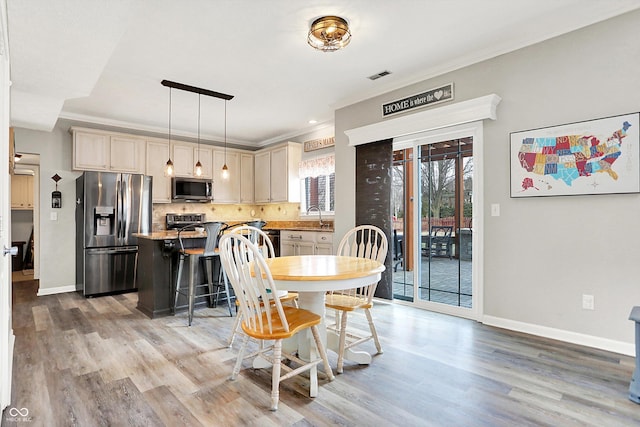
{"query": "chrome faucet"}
pixel 316 208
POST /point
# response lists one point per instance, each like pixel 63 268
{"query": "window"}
pixel 318 183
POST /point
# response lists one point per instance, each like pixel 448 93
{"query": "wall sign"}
pixel 317 144
pixel 430 97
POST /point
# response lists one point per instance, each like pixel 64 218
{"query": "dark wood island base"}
pixel 156 272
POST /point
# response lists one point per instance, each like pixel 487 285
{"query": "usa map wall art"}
pixel 593 157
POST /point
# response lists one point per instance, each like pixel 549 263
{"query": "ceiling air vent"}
pixel 380 74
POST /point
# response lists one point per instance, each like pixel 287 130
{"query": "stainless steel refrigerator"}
pixel 110 207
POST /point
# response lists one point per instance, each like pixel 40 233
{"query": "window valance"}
pixel 318 166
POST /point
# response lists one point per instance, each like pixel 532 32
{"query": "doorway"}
pixel 25 214
pixel 432 197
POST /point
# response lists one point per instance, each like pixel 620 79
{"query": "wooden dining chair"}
pixel 259 238
pixel 252 282
pixel 364 241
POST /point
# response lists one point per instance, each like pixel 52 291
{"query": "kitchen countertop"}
pixel 317 228
pixel 271 225
pixel 172 234
pixel 299 225
pixel 169 235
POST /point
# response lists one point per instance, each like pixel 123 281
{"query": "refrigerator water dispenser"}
pixel 104 220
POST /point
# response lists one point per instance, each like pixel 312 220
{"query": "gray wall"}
pixel 57 238
pixel 21 225
pixel 542 254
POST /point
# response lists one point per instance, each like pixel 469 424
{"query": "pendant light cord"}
pixel 198 128
pixel 170 89
pixel 225 132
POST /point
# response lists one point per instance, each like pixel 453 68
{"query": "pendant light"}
pixel 225 169
pixel 198 168
pixel 168 169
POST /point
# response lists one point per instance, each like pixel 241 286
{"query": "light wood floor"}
pixel 99 361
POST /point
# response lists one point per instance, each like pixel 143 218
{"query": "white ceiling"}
pixel 102 61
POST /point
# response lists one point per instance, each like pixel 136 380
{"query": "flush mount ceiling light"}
pixel 329 33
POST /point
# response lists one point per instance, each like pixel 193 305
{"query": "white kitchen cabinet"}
pixel 226 190
pixel 277 177
pixel 126 154
pixel 294 242
pixel 262 176
pixel 184 156
pixel 324 243
pixel 205 155
pixel 103 151
pixel 247 180
pixel 90 151
pixel 22 192
pixel 156 159
pixel 291 247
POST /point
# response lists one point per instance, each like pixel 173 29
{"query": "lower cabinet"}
pixel 294 242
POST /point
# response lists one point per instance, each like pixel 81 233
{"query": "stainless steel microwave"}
pixel 191 189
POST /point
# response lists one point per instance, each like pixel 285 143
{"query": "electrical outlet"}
pixel 587 302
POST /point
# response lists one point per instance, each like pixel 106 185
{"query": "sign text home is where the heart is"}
pixel 430 97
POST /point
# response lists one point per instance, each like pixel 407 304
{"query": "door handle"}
pixel 13 250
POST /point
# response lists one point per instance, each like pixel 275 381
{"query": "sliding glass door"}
pixel 432 208
pixel 446 180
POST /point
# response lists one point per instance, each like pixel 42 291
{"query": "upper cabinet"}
pixel 226 190
pixel 246 178
pixel 126 154
pixel 277 176
pixel 262 174
pixel 102 151
pixel 22 192
pixel 157 156
pixel 185 155
pixel 98 150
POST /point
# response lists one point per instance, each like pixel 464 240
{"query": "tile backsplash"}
pixel 227 212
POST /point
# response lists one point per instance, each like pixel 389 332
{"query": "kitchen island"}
pixel 157 268
pixel 158 263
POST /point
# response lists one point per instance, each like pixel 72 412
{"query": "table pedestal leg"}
pixel 314 302
pixel 333 343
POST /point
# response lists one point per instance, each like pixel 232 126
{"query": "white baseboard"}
pixel 562 335
pixel 58 290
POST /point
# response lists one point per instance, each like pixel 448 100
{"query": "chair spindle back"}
pixel 252 283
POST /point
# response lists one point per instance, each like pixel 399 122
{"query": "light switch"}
pixel 54 216
pixel 495 209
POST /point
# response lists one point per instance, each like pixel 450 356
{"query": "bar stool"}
pixel 207 256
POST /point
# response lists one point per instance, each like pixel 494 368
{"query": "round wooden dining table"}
pixel 311 276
